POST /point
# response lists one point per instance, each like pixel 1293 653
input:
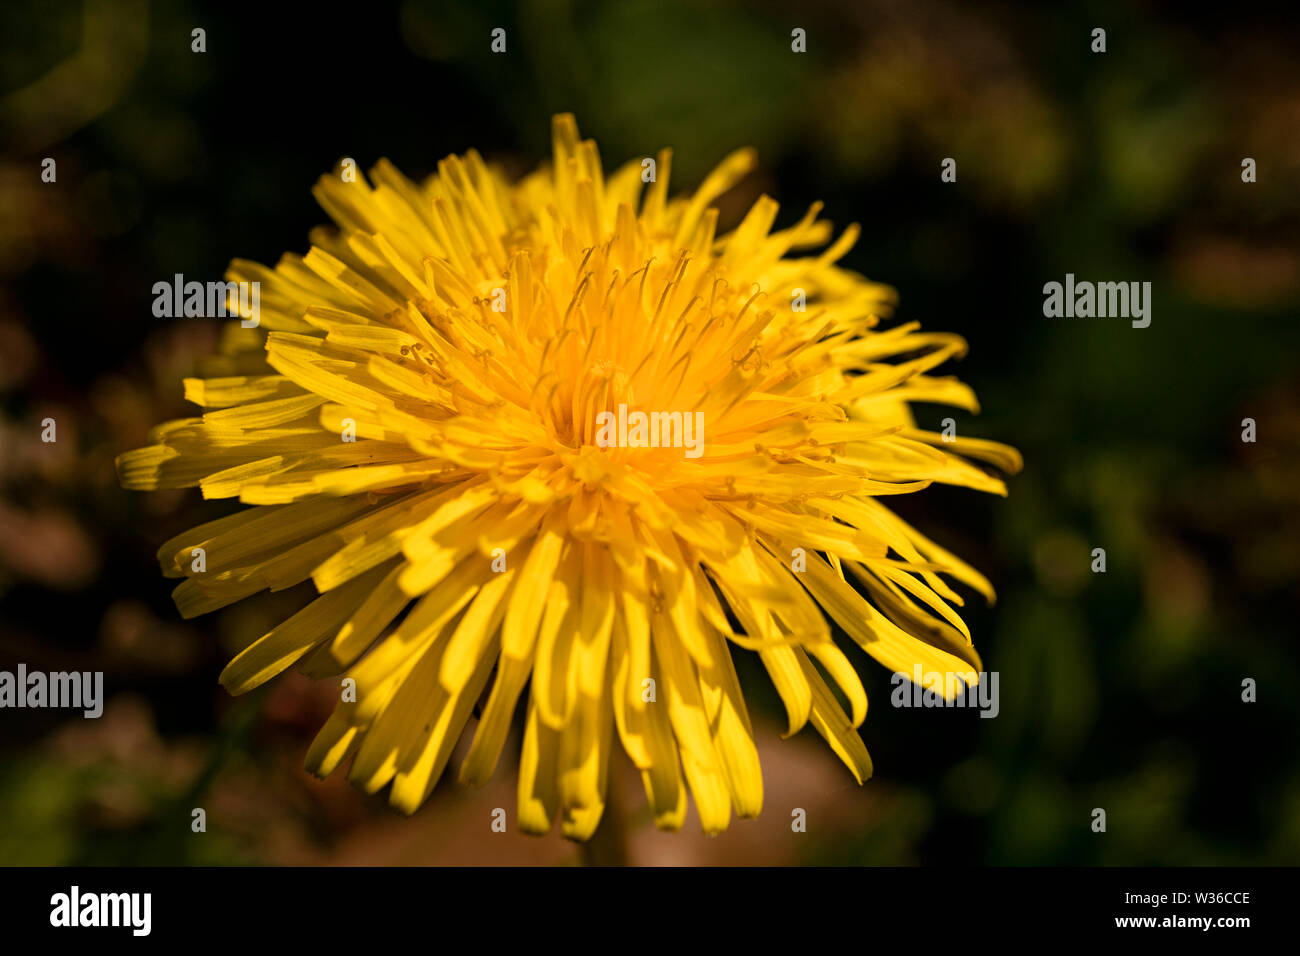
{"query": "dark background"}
pixel 1119 690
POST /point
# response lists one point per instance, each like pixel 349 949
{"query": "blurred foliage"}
pixel 1120 691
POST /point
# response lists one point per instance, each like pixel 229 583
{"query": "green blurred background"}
pixel 1119 690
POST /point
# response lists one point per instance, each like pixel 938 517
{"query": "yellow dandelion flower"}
pixel 423 423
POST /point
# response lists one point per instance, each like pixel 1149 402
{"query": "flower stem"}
pixel 608 845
